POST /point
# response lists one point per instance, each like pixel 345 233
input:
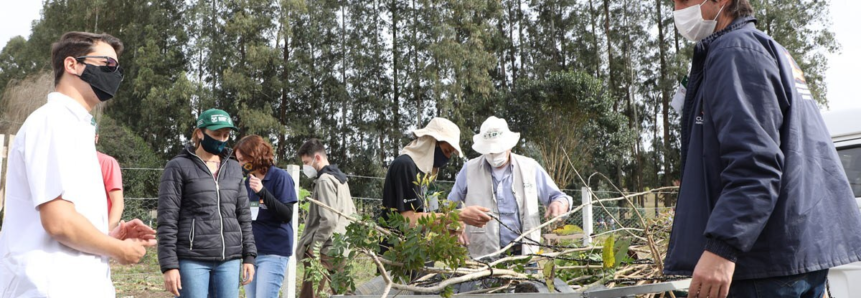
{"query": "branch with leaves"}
pixel 420 250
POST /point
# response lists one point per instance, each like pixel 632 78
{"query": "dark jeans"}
pixel 806 285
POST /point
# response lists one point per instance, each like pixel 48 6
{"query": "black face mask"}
pixel 247 169
pixel 439 158
pixel 104 82
pixel 212 145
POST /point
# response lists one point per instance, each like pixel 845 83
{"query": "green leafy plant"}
pixel 430 245
pixel 315 272
pixel 411 247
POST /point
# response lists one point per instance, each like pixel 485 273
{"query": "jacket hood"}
pixel 334 171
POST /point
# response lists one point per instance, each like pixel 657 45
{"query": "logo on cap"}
pixel 492 135
pixel 220 118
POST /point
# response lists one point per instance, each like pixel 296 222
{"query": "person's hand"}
pixel 133 250
pixel 255 183
pixel 555 209
pixel 712 277
pixel 475 216
pixel 172 281
pixel 462 238
pixel 247 273
pixel 135 229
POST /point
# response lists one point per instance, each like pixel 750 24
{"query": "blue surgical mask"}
pixel 212 145
pixel 439 158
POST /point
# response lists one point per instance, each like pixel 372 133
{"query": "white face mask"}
pixel 497 159
pixel 309 171
pixel 691 24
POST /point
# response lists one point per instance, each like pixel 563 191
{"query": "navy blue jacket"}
pixel 762 184
pixel 273 232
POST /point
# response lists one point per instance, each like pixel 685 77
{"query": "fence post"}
pixel 5 147
pixel 587 216
pixel 288 287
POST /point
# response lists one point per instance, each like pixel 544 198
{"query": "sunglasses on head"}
pixel 111 64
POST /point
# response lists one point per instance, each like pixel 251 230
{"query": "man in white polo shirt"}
pixel 55 240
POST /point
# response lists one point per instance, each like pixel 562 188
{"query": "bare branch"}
pixel 349 217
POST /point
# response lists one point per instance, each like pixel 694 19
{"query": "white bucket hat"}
pixel 442 130
pixel 494 137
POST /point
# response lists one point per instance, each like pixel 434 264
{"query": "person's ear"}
pixel 71 66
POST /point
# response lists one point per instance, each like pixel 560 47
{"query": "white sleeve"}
pixel 50 155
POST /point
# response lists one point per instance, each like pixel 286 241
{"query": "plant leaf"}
pixel 608 255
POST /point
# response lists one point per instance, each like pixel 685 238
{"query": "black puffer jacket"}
pixel 200 218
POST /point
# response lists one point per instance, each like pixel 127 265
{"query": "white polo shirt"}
pixel 53 155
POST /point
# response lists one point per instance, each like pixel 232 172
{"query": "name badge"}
pixel 678 102
pixel 255 209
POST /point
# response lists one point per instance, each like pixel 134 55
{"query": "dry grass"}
pixel 144 280
pixel 22 98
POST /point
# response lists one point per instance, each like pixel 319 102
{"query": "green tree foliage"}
pixel 131 152
pixel 16 62
pixel 802 28
pixel 565 117
pixel 594 75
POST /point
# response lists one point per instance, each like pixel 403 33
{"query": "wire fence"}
pixel 141 192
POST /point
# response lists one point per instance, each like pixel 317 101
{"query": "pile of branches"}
pixel 427 258
pixel 635 259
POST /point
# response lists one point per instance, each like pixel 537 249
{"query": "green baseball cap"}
pixel 215 119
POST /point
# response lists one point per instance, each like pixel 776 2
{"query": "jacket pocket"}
pixel 191 236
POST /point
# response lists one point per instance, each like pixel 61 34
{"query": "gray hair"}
pixel 739 8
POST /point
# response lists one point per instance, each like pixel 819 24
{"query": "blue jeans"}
pixel 806 285
pixel 209 279
pixel 269 273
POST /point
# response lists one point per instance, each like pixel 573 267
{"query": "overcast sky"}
pixel 15 19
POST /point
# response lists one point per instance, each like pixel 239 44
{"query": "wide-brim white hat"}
pixel 442 130
pixel 494 137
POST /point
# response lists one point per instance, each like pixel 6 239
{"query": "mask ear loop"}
pixel 719 11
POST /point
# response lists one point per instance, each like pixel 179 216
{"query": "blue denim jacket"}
pixel 762 184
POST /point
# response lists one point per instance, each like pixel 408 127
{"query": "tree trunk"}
pixel 520 37
pixel 656 150
pixel 282 109
pixel 612 80
pixel 396 113
pixel 611 85
pixel 344 95
pixel 767 18
pixel 512 48
pixel 634 122
pixel 501 55
pixel 417 96
pixel 665 96
pixel 593 20
pixel 381 125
